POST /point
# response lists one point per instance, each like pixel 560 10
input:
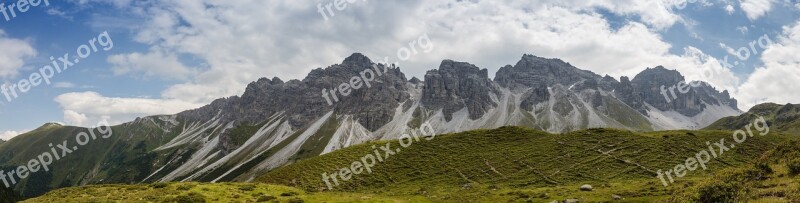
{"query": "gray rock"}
pixel 586 188
pixel 456 85
pixel 646 87
pixel 535 75
pixel 533 71
pixel 452 87
pixel 616 197
pixel 302 101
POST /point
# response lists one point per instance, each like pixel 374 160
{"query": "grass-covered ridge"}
pixel 124 157
pixel 509 164
pixel 191 192
pixel 498 163
pixel 784 118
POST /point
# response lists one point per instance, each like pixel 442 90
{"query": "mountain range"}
pixel 275 122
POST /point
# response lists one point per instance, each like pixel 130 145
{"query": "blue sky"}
pixel 170 56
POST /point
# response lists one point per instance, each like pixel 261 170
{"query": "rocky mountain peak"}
pixel 650 86
pixel 415 80
pixel 305 101
pixel 456 85
pixel 534 71
pixel 463 69
pixel 356 59
pixel 659 75
pixel 541 62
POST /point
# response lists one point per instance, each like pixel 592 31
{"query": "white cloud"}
pixel 699 66
pixel 729 8
pixel 64 85
pixel 755 8
pixel 777 80
pixel 728 49
pixel 244 40
pixel 7 135
pixel 88 108
pixel 59 13
pixel 742 29
pixel 656 13
pixel 152 64
pixel 117 3
pixel 13 53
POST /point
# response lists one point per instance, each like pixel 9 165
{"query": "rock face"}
pixel 373 106
pixel 303 102
pixel 652 86
pixel 533 71
pixel 276 122
pixel 456 85
pixel 536 76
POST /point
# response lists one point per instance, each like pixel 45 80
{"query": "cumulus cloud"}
pixel 58 12
pixel 88 108
pixel 755 8
pixel 244 40
pixel 728 49
pixel 64 85
pixel 152 64
pixel 7 135
pixel 742 29
pixel 117 3
pixel 13 54
pixel 729 8
pixel 777 80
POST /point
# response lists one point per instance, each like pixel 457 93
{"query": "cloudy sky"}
pixel 174 55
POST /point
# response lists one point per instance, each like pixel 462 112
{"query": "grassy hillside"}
pixel 785 118
pixel 509 164
pixel 124 157
pixel 519 164
pixel 205 192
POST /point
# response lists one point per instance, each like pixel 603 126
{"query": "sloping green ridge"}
pixel 509 164
pixel 784 118
pixel 124 157
pixel 190 192
pixel 516 157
